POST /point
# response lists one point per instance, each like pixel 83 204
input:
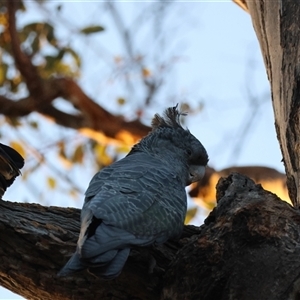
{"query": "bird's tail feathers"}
pixel 73 265
pixel 114 267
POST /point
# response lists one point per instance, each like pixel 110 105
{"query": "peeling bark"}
pixel 277 27
pixel 249 246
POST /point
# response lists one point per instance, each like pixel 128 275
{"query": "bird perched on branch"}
pixel 139 200
pixel 10 164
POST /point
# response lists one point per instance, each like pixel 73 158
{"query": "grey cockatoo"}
pixel 139 200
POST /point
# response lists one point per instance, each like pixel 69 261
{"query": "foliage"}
pixel 62 159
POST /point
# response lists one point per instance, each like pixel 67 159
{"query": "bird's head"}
pixel 168 139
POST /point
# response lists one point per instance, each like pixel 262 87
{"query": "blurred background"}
pixel 132 59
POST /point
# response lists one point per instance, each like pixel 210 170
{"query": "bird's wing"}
pixel 137 194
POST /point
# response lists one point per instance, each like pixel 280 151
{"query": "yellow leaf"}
pixel 3 19
pixel 146 72
pixel 78 155
pixel 101 155
pixel 190 214
pixel 51 183
pixel 73 193
pixel 3 72
pixel 63 157
pixel 123 149
pixel 18 147
pixel 92 29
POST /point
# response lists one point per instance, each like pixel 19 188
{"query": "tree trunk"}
pixel 249 246
pixel 277 27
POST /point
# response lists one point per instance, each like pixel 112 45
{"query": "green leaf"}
pixel 34 124
pixel 92 29
pixel 190 214
pixel 49 32
pixel 75 56
pixel 121 101
pixel 14 85
pixel 50 61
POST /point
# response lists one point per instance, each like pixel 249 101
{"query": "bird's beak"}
pixel 196 173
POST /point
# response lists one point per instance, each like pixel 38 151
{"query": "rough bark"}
pixel 249 246
pixel 277 27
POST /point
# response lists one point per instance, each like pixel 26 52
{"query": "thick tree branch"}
pixel 35 244
pixel 249 248
pixel 13 109
pixel 97 117
pixel 249 240
pixel 90 119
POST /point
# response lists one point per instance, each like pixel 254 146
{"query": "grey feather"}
pixel 139 200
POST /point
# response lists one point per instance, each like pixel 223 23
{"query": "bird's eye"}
pixel 189 151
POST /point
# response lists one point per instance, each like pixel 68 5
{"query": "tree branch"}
pixel 13 109
pixel 35 244
pixel 23 61
pixel 242 251
pixel 91 118
pixel 248 241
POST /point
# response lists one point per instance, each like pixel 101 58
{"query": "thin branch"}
pixel 40 157
pixel 124 33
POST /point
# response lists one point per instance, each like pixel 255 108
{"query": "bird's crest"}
pixel 170 118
